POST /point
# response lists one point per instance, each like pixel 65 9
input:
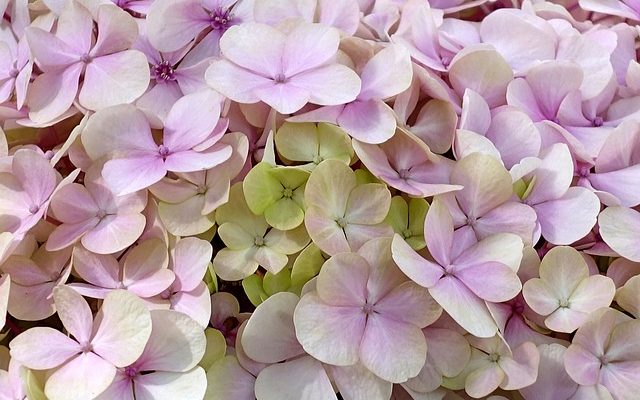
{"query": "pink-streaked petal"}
pixel 582 366
pixel 97 269
pixel 191 119
pixel 52 94
pixel 334 338
pixel 73 203
pixel 257 47
pixel 190 160
pixel 521 369
pixel 409 303
pixel 117 31
pixel 325 232
pixel 49 52
pixel 172 25
pixel 43 348
pixel 386 74
pixel 307 47
pixel 439 231
pixel 235 82
pixel 35 174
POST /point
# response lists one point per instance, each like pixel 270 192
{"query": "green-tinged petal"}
pixel 34 384
pixel 211 279
pixel 185 219
pixel 417 213
pixel 329 186
pixel 290 177
pixel 252 286
pixel 334 143
pixel 398 216
pixel 298 197
pixel 210 234
pixel 363 176
pixel 237 211
pixel 275 283
pixel 270 259
pixel 297 141
pixel 306 266
pixel 416 242
pixel 216 348
pixel 261 188
pixel 234 265
pixel 235 237
pixel 226 380
pixel 284 214
pixel 287 242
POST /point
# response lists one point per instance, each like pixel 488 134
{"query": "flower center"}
pixel 564 303
pixel 14 73
pixel 317 159
pixel 34 208
pixel 280 78
pixel 220 18
pixel 287 192
pixel 342 223
pixel 258 241
pixel 201 189
pixel 86 347
pixel 130 372
pixel 163 72
pixel 85 58
pixel 163 151
pixel 101 214
pixel 404 173
pixel 368 309
pixel 494 357
pixel 407 233
pixel 597 121
pixel 166 295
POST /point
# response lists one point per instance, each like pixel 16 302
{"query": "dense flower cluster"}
pixel 319 199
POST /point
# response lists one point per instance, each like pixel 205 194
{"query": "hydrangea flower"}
pixel 366 306
pixel 463 280
pixel 619 228
pixel 85 365
pixel 342 215
pixel 604 352
pixel 167 368
pixel 286 71
pixel 111 73
pixel 138 162
pixel 250 242
pixel 407 219
pixel 565 292
pixel 33 281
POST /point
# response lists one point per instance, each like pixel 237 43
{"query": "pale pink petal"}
pixel 552 380
pixel 368 204
pixel 330 85
pixel 570 217
pixel 334 338
pixel 357 382
pixel 162 385
pixel 405 348
pixel 307 47
pixel 484 380
pixel 114 79
pixel 418 269
pixel 86 376
pixel 491 281
pixel 464 307
pixel 73 203
pixel 190 161
pixel 257 47
pixel 409 303
pixel 439 231
pixel 386 74
pixel 191 119
pixel 342 281
pixel 74 312
pixel 620 229
pixel 43 348
pixel 521 369
pixel 370 121
pixel 138 170
pixel 190 259
pixel 195 303
pixel 325 232
pixel 173 24
pixel 504 248
pixel 235 265
pixel 303 378
pixel 97 269
pixel 269 342
pixel 117 31
pixel 582 366
pixel 114 233
pixel 124 328
pixel 51 94
pixel 49 52
pixel 235 82
pixel 36 175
